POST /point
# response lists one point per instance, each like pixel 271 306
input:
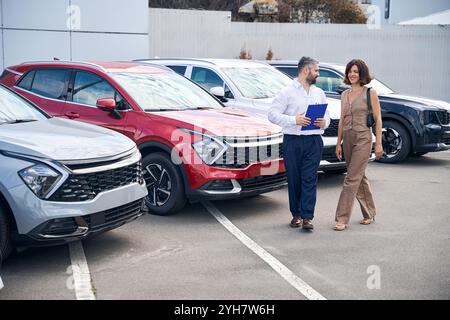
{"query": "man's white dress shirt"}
pixel 294 99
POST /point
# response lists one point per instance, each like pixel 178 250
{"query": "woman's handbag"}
pixel 370 119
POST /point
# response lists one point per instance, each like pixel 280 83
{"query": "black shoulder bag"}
pixel 370 120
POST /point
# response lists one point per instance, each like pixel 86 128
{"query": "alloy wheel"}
pixel 159 184
pixel 392 142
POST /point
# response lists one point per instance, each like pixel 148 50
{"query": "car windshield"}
pixel 380 87
pixel 164 91
pixel 14 109
pixel 257 83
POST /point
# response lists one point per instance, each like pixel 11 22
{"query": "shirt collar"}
pixel 298 85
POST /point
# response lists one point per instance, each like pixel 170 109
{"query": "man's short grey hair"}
pixel 306 62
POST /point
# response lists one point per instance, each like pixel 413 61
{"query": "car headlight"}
pixel 40 178
pixel 209 149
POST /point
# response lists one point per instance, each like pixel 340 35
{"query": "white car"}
pixel 251 86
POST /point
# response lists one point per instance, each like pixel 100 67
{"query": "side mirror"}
pixel 109 105
pixel 219 93
pixel 342 88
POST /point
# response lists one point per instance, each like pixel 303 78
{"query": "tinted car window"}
pixel 328 81
pixel 26 81
pixel 89 87
pixel 228 93
pixel 50 83
pixel 209 79
pixel 206 78
pixel 290 71
pixel 178 69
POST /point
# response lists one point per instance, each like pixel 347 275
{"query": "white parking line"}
pixel 276 265
pixel 81 275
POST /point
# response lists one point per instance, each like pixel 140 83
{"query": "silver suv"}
pixel 251 86
pixel 62 180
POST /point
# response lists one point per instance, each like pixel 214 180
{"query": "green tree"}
pixel 344 11
pixel 306 8
pixel 335 11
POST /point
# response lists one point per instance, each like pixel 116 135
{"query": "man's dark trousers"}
pixel 302 155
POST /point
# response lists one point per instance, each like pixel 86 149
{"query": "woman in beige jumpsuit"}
pixel 357 144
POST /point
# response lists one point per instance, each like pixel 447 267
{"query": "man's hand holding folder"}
pixel 304 121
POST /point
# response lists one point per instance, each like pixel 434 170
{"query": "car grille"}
pixel 256 183
pixel 113 216
pixel 444 117
pixel 83 187
pixel 95 221
pixel 242 152
pixel 332 130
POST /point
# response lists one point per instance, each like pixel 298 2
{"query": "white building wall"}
pixel 410 59
pixel 73 30
pixel 401 10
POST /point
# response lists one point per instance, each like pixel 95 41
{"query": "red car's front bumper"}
pixel 211 182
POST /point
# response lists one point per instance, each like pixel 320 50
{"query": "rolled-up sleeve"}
pixel 276 111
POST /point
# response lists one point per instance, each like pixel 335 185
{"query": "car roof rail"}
pixel 210 61
pixel 91 64
pixel 176 59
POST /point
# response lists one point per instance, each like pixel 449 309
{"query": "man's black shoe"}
pixel 296 222
pixel 307 224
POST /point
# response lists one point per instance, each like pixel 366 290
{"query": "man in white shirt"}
pixel 302 150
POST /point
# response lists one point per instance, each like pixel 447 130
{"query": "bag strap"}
pixel 369 105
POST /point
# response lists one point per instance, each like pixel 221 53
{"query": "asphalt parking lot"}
pixel 405 254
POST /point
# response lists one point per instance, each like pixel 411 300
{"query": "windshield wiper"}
pixel 18 121
pixel 161 109
pixel 201 108
pixel 168 109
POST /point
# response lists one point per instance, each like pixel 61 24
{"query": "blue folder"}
pixel 313 112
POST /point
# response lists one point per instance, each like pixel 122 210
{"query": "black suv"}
pixel 411 125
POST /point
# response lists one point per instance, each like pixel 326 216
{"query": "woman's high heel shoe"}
pixel 367 221
pixel 340 226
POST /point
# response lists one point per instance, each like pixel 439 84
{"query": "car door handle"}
pixel 72 115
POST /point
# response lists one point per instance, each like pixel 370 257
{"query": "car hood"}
pixel 418 101
pixel 334 106
pixel 226 121
pixel 60 139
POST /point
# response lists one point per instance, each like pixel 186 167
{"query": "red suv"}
pixel 193 147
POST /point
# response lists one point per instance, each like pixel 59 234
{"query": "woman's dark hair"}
pixel 363 69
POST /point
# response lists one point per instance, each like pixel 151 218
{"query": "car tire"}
pixel 396 142
pixel 5 234
pixel 164 184
pixel 335 171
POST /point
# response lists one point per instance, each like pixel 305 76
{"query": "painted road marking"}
pixel 81 275
pixel 276 265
